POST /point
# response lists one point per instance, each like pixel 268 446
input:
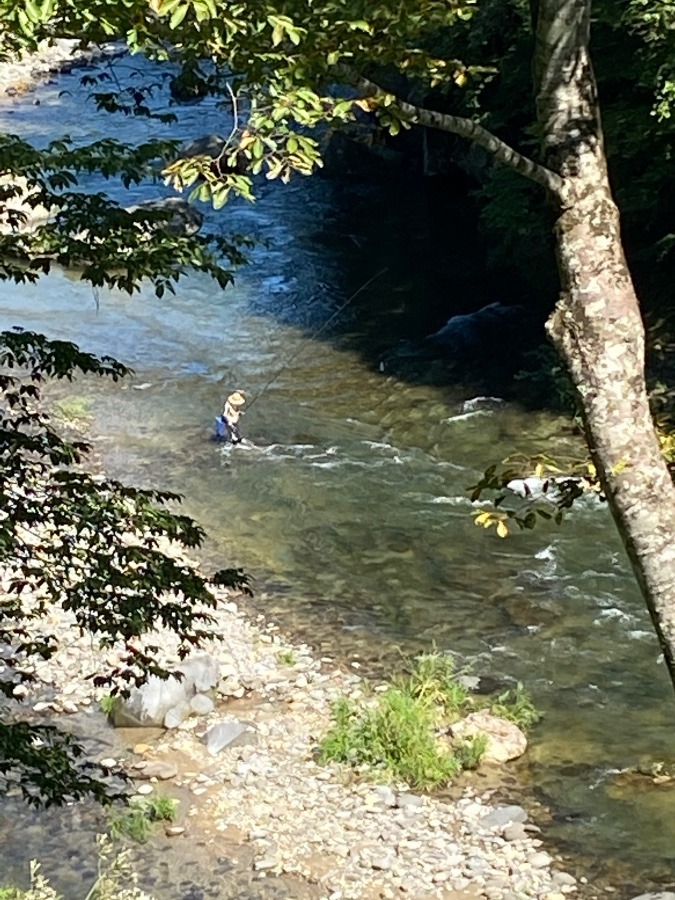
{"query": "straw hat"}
pixel 236 399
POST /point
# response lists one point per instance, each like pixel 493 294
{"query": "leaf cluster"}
pixel 90 545
pixel 75 229
pixel 555 490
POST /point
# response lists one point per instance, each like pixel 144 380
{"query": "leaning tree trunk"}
pixel 596 325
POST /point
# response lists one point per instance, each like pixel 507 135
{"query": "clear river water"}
pixel 350 509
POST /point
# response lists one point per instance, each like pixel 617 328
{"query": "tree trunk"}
pixel 596 324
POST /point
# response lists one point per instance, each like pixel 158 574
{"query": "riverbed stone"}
pixel 228 734
pixel 406 800
pixel 201 705
pixel 156 768
pixel 505 741
pixel 502 816
pixel 515 832
pixel 656 895
pixel 184 219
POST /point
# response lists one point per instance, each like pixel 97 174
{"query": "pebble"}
pixel 564 878
pixel 144 789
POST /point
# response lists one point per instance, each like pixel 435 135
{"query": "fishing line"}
pixel 317 333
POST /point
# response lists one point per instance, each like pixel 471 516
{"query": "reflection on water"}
pixel 352 498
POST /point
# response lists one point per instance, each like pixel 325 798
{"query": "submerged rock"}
pixel 488 328
pixel 481 403
pixel 185 218
pixel 505 741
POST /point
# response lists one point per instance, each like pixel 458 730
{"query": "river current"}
pixel 350 508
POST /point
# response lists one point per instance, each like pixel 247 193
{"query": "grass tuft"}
pixel 135 821
pixel 516 705
pixel 396 734
pixel 395 738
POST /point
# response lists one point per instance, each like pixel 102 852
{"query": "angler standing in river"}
pixel 231 413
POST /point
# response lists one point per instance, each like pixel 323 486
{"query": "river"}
pixel 350 509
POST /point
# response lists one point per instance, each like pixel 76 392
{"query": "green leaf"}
pixel 32 11
pixel 178 15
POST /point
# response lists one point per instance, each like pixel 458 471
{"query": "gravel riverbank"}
pixel 345 839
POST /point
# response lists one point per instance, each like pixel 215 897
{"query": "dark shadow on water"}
pixel 424 233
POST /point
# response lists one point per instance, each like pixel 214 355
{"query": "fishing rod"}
pixel 317 333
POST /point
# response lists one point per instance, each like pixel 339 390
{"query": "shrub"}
pixel 516 705
pixel 395 734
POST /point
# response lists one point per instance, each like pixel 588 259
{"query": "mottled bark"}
pixel 598 330
pixel 596 325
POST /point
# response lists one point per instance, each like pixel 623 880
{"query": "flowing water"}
pixel 350 506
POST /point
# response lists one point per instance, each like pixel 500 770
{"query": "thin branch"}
pixel 474 132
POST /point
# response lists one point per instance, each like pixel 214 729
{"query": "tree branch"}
pixel 474 132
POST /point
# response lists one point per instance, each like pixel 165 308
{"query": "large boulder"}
pixel 184 219
pixel 490 327
pixel 161 702
pixel 505 741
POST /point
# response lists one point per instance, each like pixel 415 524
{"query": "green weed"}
pixel 135 821
pixel 395 733
pixel 107 705
pixel 73 411
pixel 516 705
pixel 286 658
pixel 160 808
pixel 470 751
pixel 395 738
pixel 433 681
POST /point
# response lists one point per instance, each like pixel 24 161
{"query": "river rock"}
pixel 185 218
pixel 207 145
pixel 481 403
pixel 515 832
pixel 156 768
pixel 505 741
pixel 227 734
pixel 502 816
pixel 177 715
pixel 201 705
pixel 656 895
pixel 487 328
pixel 151 703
